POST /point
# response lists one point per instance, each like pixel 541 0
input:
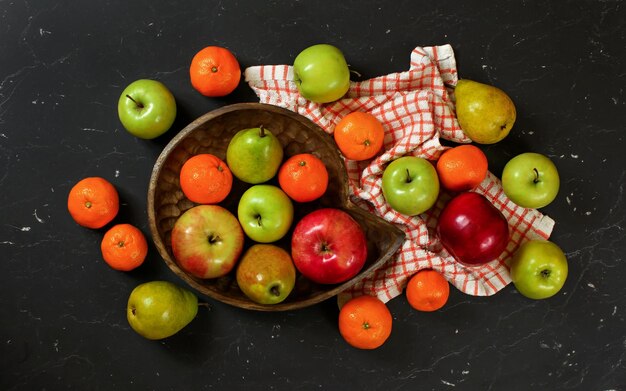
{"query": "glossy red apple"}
pixel 328 246
pixel 472 230
pixel 207 241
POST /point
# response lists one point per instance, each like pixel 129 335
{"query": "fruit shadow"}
pixel 194 343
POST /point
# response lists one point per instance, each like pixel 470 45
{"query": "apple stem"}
pixel 261 131
pixel 213 239
pixel 258 220
pixel 545 273
pixel 135 102
pixel 408 176
pixel 536 180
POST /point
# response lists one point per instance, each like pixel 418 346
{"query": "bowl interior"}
pixel 211 133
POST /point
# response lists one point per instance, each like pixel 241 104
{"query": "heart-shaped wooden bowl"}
pixel 211 133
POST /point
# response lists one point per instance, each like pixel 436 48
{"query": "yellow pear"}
pixel 485 113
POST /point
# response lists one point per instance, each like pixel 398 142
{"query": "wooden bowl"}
pixel 211 133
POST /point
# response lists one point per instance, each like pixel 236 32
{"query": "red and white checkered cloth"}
pixel 416 108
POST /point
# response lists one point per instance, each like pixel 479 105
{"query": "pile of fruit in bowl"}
pixel 266 235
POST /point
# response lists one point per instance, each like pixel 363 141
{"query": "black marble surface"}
pixel 63 325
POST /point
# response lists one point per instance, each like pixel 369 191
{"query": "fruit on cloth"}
pixel 303 177
pixel 321 73
pixel 539 269
pixel 359 135
pixel 365 322
pixel 410 185
pixel 485 113
pixel 266 274
pixel 328 246
pixel 214 71
pixel 462 168
pixel 146 108
pixel 207 241
pixel 530 180
pixel 427 290
pixel 472 229
pixel 160 309
pixel 124 247
pixel 254 155
pixel 205 179
pixel 93 202
pixel 265 213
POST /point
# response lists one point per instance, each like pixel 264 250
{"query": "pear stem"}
pixel 261 131
pixel 206 305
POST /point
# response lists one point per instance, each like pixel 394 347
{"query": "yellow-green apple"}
pixel 530 180
pixel 472 229
pixel 160 309
pixel 410 185
pixel 146 108
pixel 265 213
pixel 266 274
pixel 538 269
pixel 328 246
pixel 321 73
pixel 254 155
pixel 207 241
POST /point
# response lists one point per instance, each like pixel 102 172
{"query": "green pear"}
pixel 485 113
pixel 160 309
pixel 266 274
pixel 254 155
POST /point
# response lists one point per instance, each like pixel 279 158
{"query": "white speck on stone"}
pixel 484 66
pixel 447 383
pixel 614 310
pixel 39 220
pixel 25 229
pixel 569 202
pixel 531 132
pixel 574 156
pixel 388 31
pixel 117 173
pixel 464 372
pixel 588 213
pixel 590 285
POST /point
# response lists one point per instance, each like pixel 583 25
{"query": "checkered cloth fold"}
pixel 416 108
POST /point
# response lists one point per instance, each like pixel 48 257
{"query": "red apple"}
pixel 207 241
pixel 328 246
pixel 472 230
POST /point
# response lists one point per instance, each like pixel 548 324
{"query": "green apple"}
pixel 254 155
pixel 146 108
pixel 266 274
pixel 321 73
pixel 410 185
pixel 159 309
pixel 538 269
pixel 530 180
pixel 265 213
